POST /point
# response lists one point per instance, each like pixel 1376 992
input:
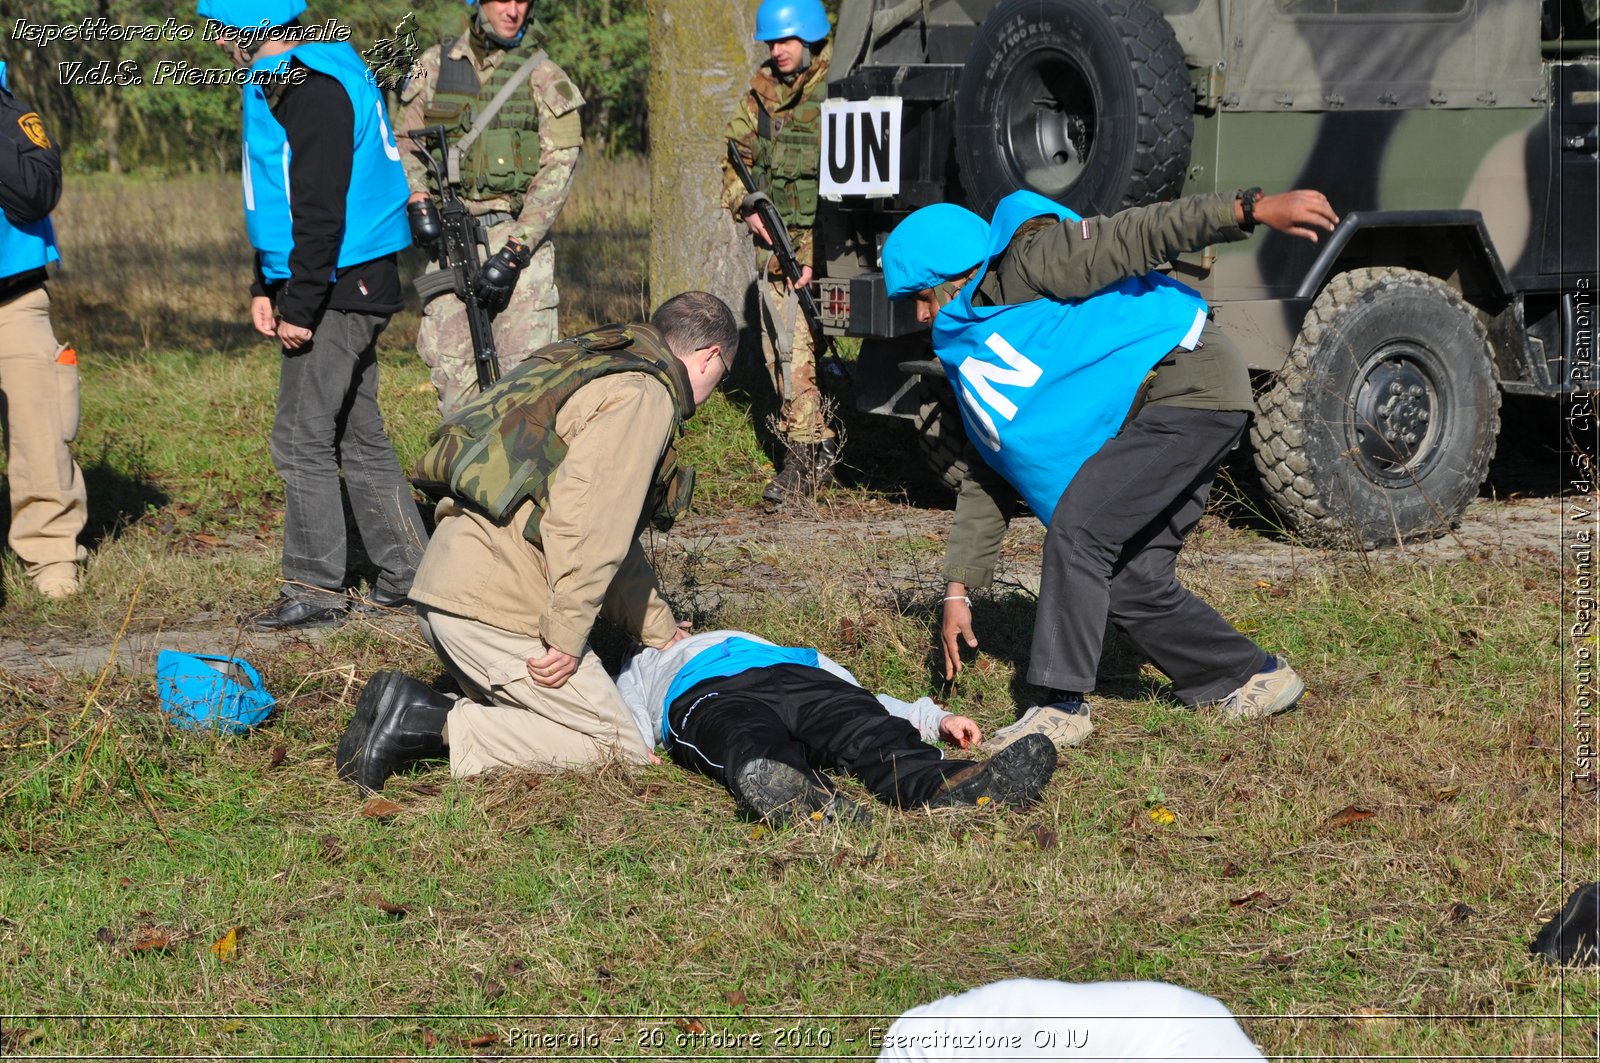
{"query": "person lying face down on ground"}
pixel 766 720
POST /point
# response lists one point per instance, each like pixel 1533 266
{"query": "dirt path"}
pixel 880 546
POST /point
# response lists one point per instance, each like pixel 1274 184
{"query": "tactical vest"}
pixel 505 159
pixel 375 206
pixel 501 449
pixel 788 145
pixel 24 246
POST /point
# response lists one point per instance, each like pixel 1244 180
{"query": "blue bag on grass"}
pixel 207 692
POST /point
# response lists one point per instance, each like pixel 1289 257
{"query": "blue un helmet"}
pixel 777 19
pixel 933 245
pixel 248 14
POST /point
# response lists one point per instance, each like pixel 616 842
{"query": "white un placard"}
pixel 861 147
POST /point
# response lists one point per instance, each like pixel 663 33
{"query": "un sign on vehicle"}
pixel 860 147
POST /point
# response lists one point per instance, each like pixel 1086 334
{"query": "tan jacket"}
pixel 616 429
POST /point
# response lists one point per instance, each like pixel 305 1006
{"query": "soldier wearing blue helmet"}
pixel 777 130
pixel 324 201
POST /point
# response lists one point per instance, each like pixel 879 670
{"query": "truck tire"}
pixel 1380 427
pixel 1085 101
pixel 939 431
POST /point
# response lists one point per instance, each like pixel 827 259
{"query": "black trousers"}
pixel 810 720
pixel 1111 553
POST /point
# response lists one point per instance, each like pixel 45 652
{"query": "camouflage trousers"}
pixel 790 352
pixel 526 324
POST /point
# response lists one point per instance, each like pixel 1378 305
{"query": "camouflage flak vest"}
pixel 505 158
pixel 501 449
pixel 788 145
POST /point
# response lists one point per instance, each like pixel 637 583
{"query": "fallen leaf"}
pixel 758 832
pixel 279 755
pixel 1043 838
pixel 226 947
pixel 381 808
pixel 818 816
pixel 429 1038
pixel 694 1026
pixel 1446 793
pixel 735 998
pixel 516 967
pixel 1348 815
pixel 483 1040
pixel 1460 912
pixel 124 882
pixel 1277 959
pixel 847 632
pixel 207 539
pixel 984 665
pixel 383 905
pixel 426 789
pixel 984 800
pixel 838 859
pixel 105 936
pixel 331 849
pixel 149 939
pixel 1162 816
pixel 18 1036
pixel 493 990
pixel 1230 869
pixel 604 974
pixel 1249 898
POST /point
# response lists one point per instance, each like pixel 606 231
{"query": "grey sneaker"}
pixel 1064 729
pixel 778 794
pixel 1265 693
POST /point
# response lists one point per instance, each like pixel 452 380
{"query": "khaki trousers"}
pixel 508 721
pixel 49 507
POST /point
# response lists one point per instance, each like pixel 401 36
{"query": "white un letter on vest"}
pixel 981 377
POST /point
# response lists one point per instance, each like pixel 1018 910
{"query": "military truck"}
pixel 1456 138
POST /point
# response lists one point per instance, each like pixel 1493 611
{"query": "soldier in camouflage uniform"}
pixel 549 477
pixel 777 129
pixel 517 191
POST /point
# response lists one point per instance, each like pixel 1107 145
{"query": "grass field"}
pixel 1358 879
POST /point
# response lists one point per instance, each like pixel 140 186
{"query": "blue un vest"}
pixel 1042 385
pixel 730 657
pixel 375 206
pixel 26 245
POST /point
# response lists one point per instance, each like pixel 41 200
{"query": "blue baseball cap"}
pixel 245 14
pixel 931 246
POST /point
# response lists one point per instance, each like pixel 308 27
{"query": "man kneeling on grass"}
pixel 763 720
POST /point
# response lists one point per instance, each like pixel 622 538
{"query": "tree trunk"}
pixel 701 59
pixel 111 128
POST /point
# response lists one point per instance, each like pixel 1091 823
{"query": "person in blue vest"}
pixel 38 376
pixel 324 203
pixel 766 720
pixel 1098 390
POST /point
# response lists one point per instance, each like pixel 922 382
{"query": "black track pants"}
pixel 806 718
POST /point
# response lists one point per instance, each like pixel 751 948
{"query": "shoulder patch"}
pixel 33 128
pixel 554 89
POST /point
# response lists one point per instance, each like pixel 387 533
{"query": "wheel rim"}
pixel 1398 415
pixel 1049 130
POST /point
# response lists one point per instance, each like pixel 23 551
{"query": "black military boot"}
pixel 798 477
pixel 398 721
pixel 1015 776
pixel 824 464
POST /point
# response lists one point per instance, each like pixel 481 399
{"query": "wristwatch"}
pixel 1247 204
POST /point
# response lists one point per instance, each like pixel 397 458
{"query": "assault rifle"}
pixel 760 204
pixel 456 236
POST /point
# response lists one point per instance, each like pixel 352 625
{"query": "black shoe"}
pixel 291 612
pixel 398 721
pixel 1573 936
pixel 778 794
pixel 378 600
pixel 1016 776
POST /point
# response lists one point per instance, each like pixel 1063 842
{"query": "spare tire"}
pixel 1085 101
